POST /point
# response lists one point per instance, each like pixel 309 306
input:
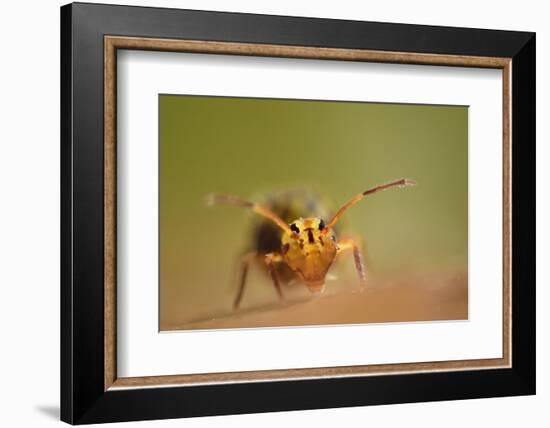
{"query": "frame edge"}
pixel 66 274
pixel 524 216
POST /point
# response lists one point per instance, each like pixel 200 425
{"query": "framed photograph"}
pixel 265 213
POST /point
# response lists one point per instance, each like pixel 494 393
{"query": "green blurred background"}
pixel 252 146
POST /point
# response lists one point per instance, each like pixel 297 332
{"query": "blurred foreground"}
pixel 433 297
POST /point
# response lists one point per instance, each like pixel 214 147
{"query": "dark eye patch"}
pixel 294 228
pixel 321 224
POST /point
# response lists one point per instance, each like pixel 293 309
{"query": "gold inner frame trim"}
pixel 113 43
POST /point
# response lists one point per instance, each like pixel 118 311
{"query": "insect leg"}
pixel 244 272
pixel 350 244
pixel 270 260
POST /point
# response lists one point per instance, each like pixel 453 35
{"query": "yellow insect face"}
pixel 308 252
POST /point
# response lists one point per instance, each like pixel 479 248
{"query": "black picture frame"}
pixel 83 396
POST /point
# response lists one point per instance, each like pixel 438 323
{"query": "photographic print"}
pixel 289 212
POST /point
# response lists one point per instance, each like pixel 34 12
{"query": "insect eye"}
pixel 321 224
pixel 294 228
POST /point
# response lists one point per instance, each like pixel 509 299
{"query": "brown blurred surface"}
pixel 413 297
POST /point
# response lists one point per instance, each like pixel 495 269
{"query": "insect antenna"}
pixel 403 182
pixel 225 199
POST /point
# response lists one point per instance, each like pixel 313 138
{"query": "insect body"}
pixel 306 247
